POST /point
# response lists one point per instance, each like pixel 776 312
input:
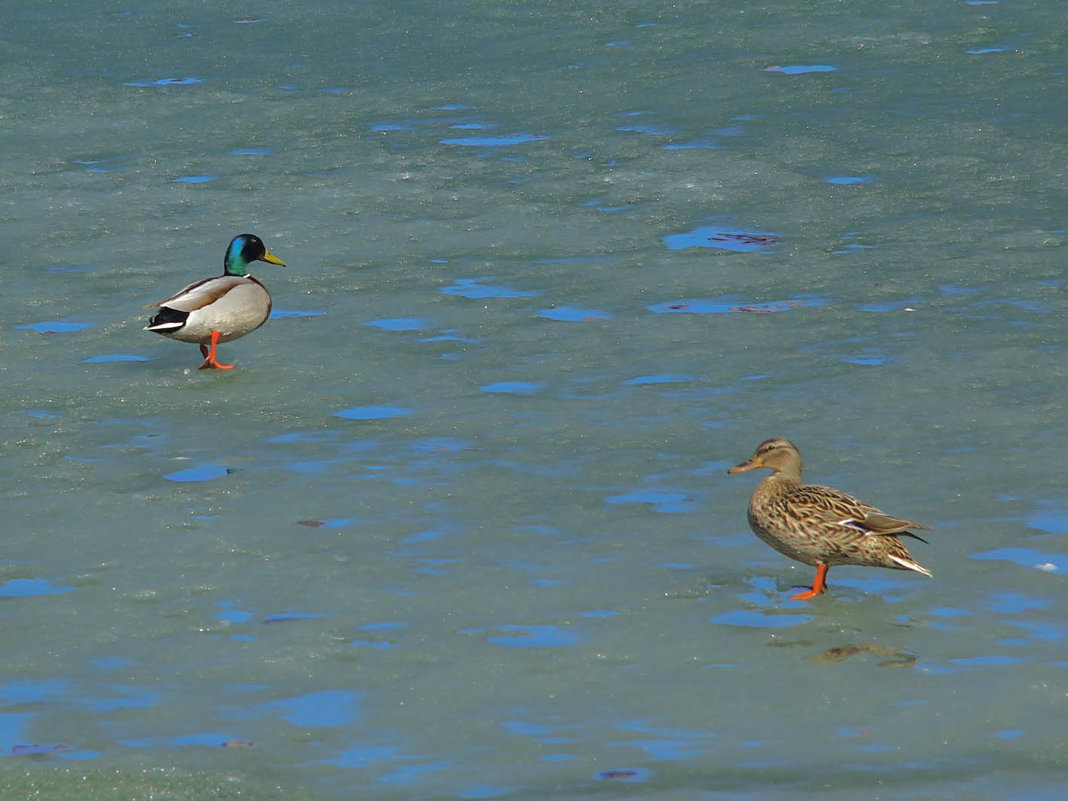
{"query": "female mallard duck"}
pixel 219 309
pixel 821 526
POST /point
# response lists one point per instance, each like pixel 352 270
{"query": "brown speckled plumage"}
pixel 821 526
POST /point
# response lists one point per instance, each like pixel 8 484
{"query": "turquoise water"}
pixel 459 525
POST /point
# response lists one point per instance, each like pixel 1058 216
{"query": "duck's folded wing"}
pixel 829 505
pixel 882 523
pixel 200 293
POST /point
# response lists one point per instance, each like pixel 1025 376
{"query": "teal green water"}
pixel 458 525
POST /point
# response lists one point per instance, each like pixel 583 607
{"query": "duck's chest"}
pixel 242 309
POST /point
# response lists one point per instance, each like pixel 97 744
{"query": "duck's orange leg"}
pixel 819 586
pixel 209 355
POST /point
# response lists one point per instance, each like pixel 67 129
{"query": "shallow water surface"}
pixel 459 525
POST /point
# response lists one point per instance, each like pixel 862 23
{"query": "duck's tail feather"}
pixel 908 564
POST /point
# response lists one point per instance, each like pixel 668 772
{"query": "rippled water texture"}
pixel 458 525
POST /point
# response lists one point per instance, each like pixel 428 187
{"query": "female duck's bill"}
pixel 219 309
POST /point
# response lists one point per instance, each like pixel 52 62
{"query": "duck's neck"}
pixel 235 267
pixel 778 484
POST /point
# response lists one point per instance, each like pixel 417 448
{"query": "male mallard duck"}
pixel 219 309
pixel 818 525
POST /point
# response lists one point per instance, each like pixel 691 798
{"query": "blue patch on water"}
pixel 867 361
pixel 292 617
pixel 363 756
pixel 514 636
pixel 448 338
pixel 981 51
pixel 526 728
pixel 623 775
pixel 477 791
pixel 1011 602
pixel 752 618
pixel 193 179
pixel 724 239
pixel 1041 630
pixel 387 625
pixel 997 660
pixel 307 436
pixel 1010 734
pixel 494 141
pixel 1052 522
pixel 888 306
pixel 949 611
pixel 26 588
pixel 663 378
pixel 474 126
pixel 116 357
pixel 664 502
pixel 285 314
pixel 696 144
pixel 422 536
pixel 231 615
pixel 598 204
pixel 12 726
pixel 512 388
pixel 387 127
pixel 852 247
pixel 848 180
pixel 110 662
pixel 1027 557
pixel 573 314
pixel 203 473
pixel 372 412
pixel 648 130
pixel 377 645
pixel 124 697
pixel 801 69
pixel 322 709
pixel 206 739
pixel 53 327
pixel 401 324
pixel 731 304
pixel 473 288
pixel 34 691
pixel 252 151
pixel 165 82
pixel 337 522
pixel 666 749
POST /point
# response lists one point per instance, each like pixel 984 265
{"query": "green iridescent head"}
pixel 244 250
